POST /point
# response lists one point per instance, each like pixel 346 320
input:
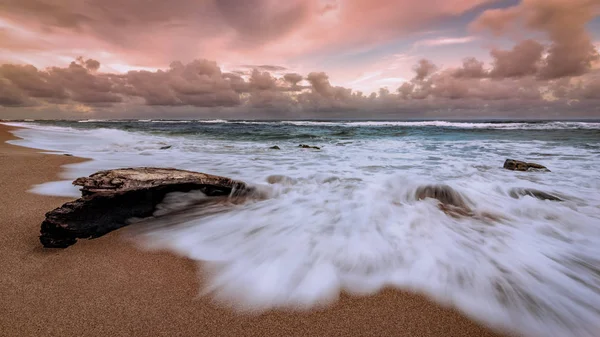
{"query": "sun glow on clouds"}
pixel 258 52
pixel 442 41
pixel 392 80
pixel 392 71
pixel 123 68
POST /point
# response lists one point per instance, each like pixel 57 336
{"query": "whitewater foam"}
pixel 445 124
pixel 533 266
pixel 348 218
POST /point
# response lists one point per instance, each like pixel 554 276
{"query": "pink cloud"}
pixel 442 41
pixel 155 54
pixel 563 21
pixel 271 31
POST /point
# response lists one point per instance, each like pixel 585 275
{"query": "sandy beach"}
pixel 107 287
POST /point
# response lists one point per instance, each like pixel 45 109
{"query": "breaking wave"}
pixel 522 264
pixel 431 214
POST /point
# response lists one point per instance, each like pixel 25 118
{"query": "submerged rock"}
pixel 280 179
pixel 521 192
pixel 444 193
pixel 304 146
pixel 517 165
pixel 451 202
pixel 166 147
pixel 275 148
pixel 110 198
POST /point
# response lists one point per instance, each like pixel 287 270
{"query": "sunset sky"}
pixel 257 58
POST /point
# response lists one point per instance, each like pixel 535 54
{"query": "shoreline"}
pixel 107 286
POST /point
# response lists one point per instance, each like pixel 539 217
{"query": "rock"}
pixel 166 147
pixel 444 193
pixel 110 198
pixel 304 146
pixel 521 192
pixel 280 179
pixel 275 147
pixel 451 202
pixel 67 155
pixel 517 165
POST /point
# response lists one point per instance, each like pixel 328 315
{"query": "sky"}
pixel 299 59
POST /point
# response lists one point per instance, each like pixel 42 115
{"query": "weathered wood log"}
pixel 517 165
pixel 110 198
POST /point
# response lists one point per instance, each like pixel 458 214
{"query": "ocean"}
pixel 346 217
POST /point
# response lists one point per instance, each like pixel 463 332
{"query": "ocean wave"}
pixel 170 121
pixel 555 125
pixel 487 125
pixel 212 121
pixel 102 121
pixel 497 258
pixel 360 217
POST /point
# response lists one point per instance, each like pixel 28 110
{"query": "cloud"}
pixel 265 67
pixel 524 59
pixel 392 80
pixel 199 83
pixel 571 51
pixel 263 30
pixel 28 80
pixel 471 68
pixel 15 42
pixel 423 69
pixel 293 78
pixel 10 95
pixel 202 84
pixel 442 41
pixel 367 76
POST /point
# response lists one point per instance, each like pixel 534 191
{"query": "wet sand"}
pixel 107 287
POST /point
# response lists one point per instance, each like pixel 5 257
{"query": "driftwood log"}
pixel 110 198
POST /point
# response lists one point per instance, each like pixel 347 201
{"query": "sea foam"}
pixel 347 219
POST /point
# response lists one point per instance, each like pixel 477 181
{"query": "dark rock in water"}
pixel 67 155
pixel 166 147
pixel 517 165
pixel 280 179
pixel 521 192
pixel 304 146
pixel 275 147
pixel 451 202
pixel 444 193
pixel 110 198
